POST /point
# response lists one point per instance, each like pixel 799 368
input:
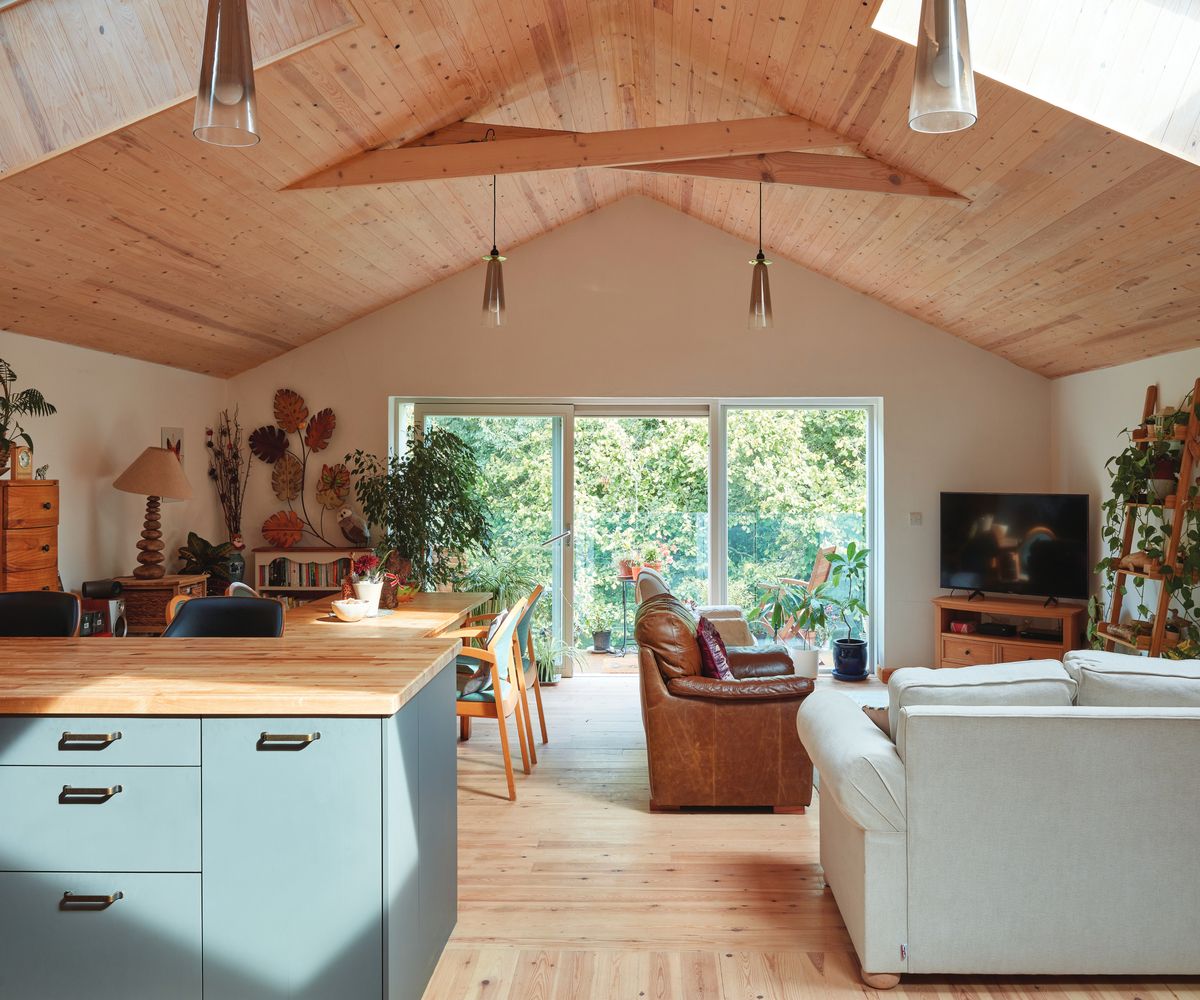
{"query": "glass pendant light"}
pixel 943 94
pixel 225 112
pixel 760 285
pixel 493 282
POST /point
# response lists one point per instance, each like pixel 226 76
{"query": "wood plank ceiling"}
pixel 1076 251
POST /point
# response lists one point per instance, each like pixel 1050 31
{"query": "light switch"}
pixel 915 519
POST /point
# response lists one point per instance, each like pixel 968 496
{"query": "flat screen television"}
pixel 1016 543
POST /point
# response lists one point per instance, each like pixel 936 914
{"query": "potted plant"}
pixel 596 625
pixel 201 556
pixel 549 654
pixel 369 573
pixel 627 567
pixel 427 504
pixel 849 579
pixel 506 578
pixel 1164 475
pixel 26 403
pixel 804 611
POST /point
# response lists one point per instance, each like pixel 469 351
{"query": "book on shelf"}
pixel 284 573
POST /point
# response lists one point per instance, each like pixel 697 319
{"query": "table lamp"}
pixel 157 473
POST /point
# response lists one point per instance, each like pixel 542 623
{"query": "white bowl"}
pixel 351 609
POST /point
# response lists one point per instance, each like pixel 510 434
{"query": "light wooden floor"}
pixel 575 891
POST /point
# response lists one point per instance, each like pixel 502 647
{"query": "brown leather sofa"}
pixel 712 742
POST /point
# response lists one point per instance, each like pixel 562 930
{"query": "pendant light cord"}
pixel 760 250
pixel 490 134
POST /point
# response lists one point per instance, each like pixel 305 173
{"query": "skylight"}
pixel 1130 65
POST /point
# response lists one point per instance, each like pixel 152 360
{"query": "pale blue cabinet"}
pixel 292 858
pixel 228 858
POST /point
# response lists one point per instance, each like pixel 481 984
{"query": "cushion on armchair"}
pixel 1031 682
pixel 666 628
pixel 757 688
pixel 713 661
pixel 771 660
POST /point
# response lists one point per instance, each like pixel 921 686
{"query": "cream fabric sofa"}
pixel 1016 838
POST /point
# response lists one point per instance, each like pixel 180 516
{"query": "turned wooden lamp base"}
pixel 150 557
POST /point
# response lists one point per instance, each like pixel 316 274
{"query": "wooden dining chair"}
pixel 477 626
pixel 493 691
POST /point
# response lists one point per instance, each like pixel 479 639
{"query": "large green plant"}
pixel 849 571
pixel 506 577
pixel 427 503
pixel 16 404
pixel 202 556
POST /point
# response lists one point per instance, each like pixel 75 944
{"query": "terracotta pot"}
pixel 627 568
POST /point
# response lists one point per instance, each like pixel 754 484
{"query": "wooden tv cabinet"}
pixel 953 649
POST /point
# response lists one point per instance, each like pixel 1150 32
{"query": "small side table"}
pixel 146 600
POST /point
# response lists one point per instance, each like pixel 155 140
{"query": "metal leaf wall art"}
pixel 273 444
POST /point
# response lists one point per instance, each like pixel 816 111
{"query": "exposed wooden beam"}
pixel 573 150
pixel 842 173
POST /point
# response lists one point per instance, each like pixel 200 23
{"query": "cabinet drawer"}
pixel 123 819
pixel 31 579
pixel 143 946
pixel 34 506
pixel 968 650
pixel 1011 653
pixel 106 740
pixel 31 548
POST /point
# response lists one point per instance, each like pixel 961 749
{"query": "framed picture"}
pixel 172 440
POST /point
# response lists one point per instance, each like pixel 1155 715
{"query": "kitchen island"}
pixel 238 819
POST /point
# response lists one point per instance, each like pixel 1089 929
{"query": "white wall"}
pixel 639 300
pixel 1091 410
pixel 109 409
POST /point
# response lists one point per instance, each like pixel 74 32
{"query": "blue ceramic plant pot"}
pixel 850 659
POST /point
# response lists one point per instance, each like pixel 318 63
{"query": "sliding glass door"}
pixel 729 496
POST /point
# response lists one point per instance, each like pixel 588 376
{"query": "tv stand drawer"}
pixel 968 650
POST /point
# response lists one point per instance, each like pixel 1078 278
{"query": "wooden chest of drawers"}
pixel 29 534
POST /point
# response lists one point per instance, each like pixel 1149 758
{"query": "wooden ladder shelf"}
pixel 1189 435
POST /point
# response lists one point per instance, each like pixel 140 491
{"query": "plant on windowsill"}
pixel 849 580
pixel 804 613
pixel 427 504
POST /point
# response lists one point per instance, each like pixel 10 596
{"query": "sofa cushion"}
pixel 713 660
pixel 858 765
pixel 735 631
pixel 1030 682
pixel 664 626
pixel 1120 680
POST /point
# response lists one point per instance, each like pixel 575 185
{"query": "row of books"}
pixel 287 573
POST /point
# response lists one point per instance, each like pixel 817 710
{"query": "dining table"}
pixel 423 616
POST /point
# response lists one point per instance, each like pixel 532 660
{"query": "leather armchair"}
pixel 712 742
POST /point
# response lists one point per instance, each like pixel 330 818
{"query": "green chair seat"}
pixel 485 693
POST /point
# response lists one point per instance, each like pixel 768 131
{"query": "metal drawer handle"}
pixel 87 796
pixel 73 901
pixel 285 741
pixel 87 741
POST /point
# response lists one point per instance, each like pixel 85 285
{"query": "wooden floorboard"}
pixel 576 891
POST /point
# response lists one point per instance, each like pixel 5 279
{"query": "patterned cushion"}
pixel 468 691
pixel 713 659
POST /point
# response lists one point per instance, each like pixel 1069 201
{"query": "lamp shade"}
pixel 493 290
pixel 156 473
pixel 943 94
pixel 225 108
pixel 760 295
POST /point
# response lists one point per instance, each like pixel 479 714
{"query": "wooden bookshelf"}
pixel 310 570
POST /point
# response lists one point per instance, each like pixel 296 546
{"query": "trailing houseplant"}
pixel 848 580
pixel 16 404
pixel 1141 473
pixel 427 504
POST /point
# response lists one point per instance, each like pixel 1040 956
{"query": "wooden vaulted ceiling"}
pixel 1076 247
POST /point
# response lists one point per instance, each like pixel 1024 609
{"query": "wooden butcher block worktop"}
pixel 337 675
